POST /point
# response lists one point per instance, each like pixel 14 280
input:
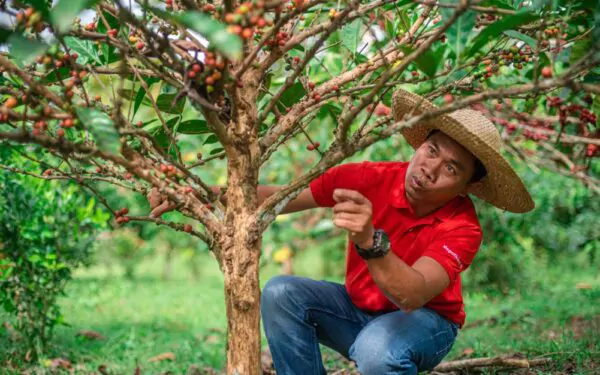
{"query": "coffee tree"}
pixel 252 76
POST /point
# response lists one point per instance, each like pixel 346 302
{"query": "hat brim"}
pixel 501 187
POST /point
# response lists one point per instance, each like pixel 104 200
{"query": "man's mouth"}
pixel 417 183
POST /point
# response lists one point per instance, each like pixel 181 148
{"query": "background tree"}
pixel 107 97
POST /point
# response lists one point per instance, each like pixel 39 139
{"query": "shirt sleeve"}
pixel 346 176
pixel 455 249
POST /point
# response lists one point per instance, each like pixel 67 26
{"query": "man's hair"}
pixel 479 170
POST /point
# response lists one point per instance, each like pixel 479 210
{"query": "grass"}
pixel 185 316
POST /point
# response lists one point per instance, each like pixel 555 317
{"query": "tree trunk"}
pixel 242 299
pixel 240 244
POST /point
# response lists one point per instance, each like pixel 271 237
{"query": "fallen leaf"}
pixel 93 335
pixel 583 286
pixel 468 351
pixel 102 370
pixel 60 363
pixel 162 357
pixel 137 371
pixel 28 356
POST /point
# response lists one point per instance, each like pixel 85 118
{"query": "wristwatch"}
pixel 381 246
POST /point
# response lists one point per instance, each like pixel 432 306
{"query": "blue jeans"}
pixel 299 313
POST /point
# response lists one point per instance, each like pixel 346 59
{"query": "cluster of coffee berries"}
pixel 29 18
pixel 187 228
pixel 48 172
pixel 208 73
pixel 313 146
pixel 41 126
pixel 247 19
pixel 585 115
pixel 169 171
pixel 56 58
pixel 516 56
pixel 314 95
pixel 121 218
pixel 556 34
pixel 136 40
pixel 279 39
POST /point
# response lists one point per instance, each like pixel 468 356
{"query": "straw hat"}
pixel 501 187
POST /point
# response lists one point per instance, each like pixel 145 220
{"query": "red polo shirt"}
pixel 451 235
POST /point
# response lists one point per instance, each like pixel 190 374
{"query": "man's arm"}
pixel 408 287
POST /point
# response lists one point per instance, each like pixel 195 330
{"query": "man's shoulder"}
pixel 462 217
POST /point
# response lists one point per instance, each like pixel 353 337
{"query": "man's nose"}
pixel 431 170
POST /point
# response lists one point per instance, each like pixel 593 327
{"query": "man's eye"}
pixel 451 169
pixel 431 150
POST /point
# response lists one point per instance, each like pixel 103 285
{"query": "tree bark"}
pixel 242 299
pixel 241 241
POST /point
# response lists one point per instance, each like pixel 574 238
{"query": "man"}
pixel 412 231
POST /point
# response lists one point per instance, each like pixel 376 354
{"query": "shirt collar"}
pixel 399 201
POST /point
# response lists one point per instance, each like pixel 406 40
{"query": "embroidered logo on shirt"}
pixel 453 254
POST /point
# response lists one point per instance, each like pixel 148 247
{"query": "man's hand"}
pixel 159 204
pixel 353 212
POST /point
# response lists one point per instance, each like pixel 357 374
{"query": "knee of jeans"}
pixel 371 354
pixel 276 292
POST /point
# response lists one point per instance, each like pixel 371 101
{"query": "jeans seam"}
pixel 446 347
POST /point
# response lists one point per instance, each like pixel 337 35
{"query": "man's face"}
pixel 439 170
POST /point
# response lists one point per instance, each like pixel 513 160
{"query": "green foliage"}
pixel 147 316
pixel 517 246
pixel 46 231
pixel 63 13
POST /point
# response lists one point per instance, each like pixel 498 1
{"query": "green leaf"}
pixel 85 48
pixel 164 102
pixel 108 51
pixel 292 95
pixel 24 50
pixel 193 127
pixel 102 128
pixel 216 151
pixel 4 34
pixel 596 109
pixel 428 62
pixel 63 13
pixel 211 139
pixel 495 29
pixel 517 35
pixel 402 23
pixel 142 93
pixel 458 33
pixel 596 31
pixel 580 48
pixel 351 36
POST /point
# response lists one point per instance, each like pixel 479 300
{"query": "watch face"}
pixel 384 241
